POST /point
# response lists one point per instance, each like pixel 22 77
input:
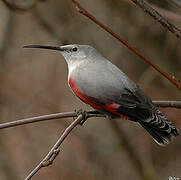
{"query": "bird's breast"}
pixel 84 97
pixel 94 80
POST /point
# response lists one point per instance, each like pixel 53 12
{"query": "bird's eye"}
pixel 74 49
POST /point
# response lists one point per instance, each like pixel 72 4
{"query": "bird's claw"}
pixel 84 115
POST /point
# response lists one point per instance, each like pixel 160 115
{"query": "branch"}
pixel 83 11
pixel 177 2
pixel 37 119
pixel 163 21
pixel 165 12
pixel 163 104
pixel 52 154
pixel 46 118
pixel 168 104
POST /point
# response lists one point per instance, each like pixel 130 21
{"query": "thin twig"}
pixel 168 104
pixel 83 11
pixel 45 118
pixel 52 154
pixel 164 104
pixel 177 2
pixel 158 17
pixel 165 12
pixel 37 119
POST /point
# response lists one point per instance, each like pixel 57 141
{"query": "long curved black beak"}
pixel 56 48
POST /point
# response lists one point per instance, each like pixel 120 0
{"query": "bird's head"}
pixel 71 53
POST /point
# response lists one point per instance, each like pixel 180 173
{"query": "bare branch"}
pixel 83 11
pixel 45 118
pixel 164 104
pixel 165 12
pixel 168 104
pixel 37 119
pixel 177 2
pixel 50 157
pixel 53 153
pixel 158 17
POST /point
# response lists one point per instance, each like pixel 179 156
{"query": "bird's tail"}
pixel 160 128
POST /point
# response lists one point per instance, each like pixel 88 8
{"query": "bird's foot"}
pixel 84 115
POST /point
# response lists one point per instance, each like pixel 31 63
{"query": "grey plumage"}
pixel 105 85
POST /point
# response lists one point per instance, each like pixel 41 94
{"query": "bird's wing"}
pixel 134 105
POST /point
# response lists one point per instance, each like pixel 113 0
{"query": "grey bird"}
pixel 102 85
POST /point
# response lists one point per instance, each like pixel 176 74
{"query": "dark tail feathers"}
pixel 160 128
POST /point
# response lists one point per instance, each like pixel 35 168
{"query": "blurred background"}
pixel 34 82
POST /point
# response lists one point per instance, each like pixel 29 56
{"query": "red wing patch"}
pixel 113 109
pixel 82 96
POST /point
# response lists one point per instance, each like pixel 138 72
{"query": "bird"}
pixel 102 85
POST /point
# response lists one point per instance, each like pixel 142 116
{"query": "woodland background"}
pixel 34 82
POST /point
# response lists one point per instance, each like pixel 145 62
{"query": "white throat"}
pixel 72 66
